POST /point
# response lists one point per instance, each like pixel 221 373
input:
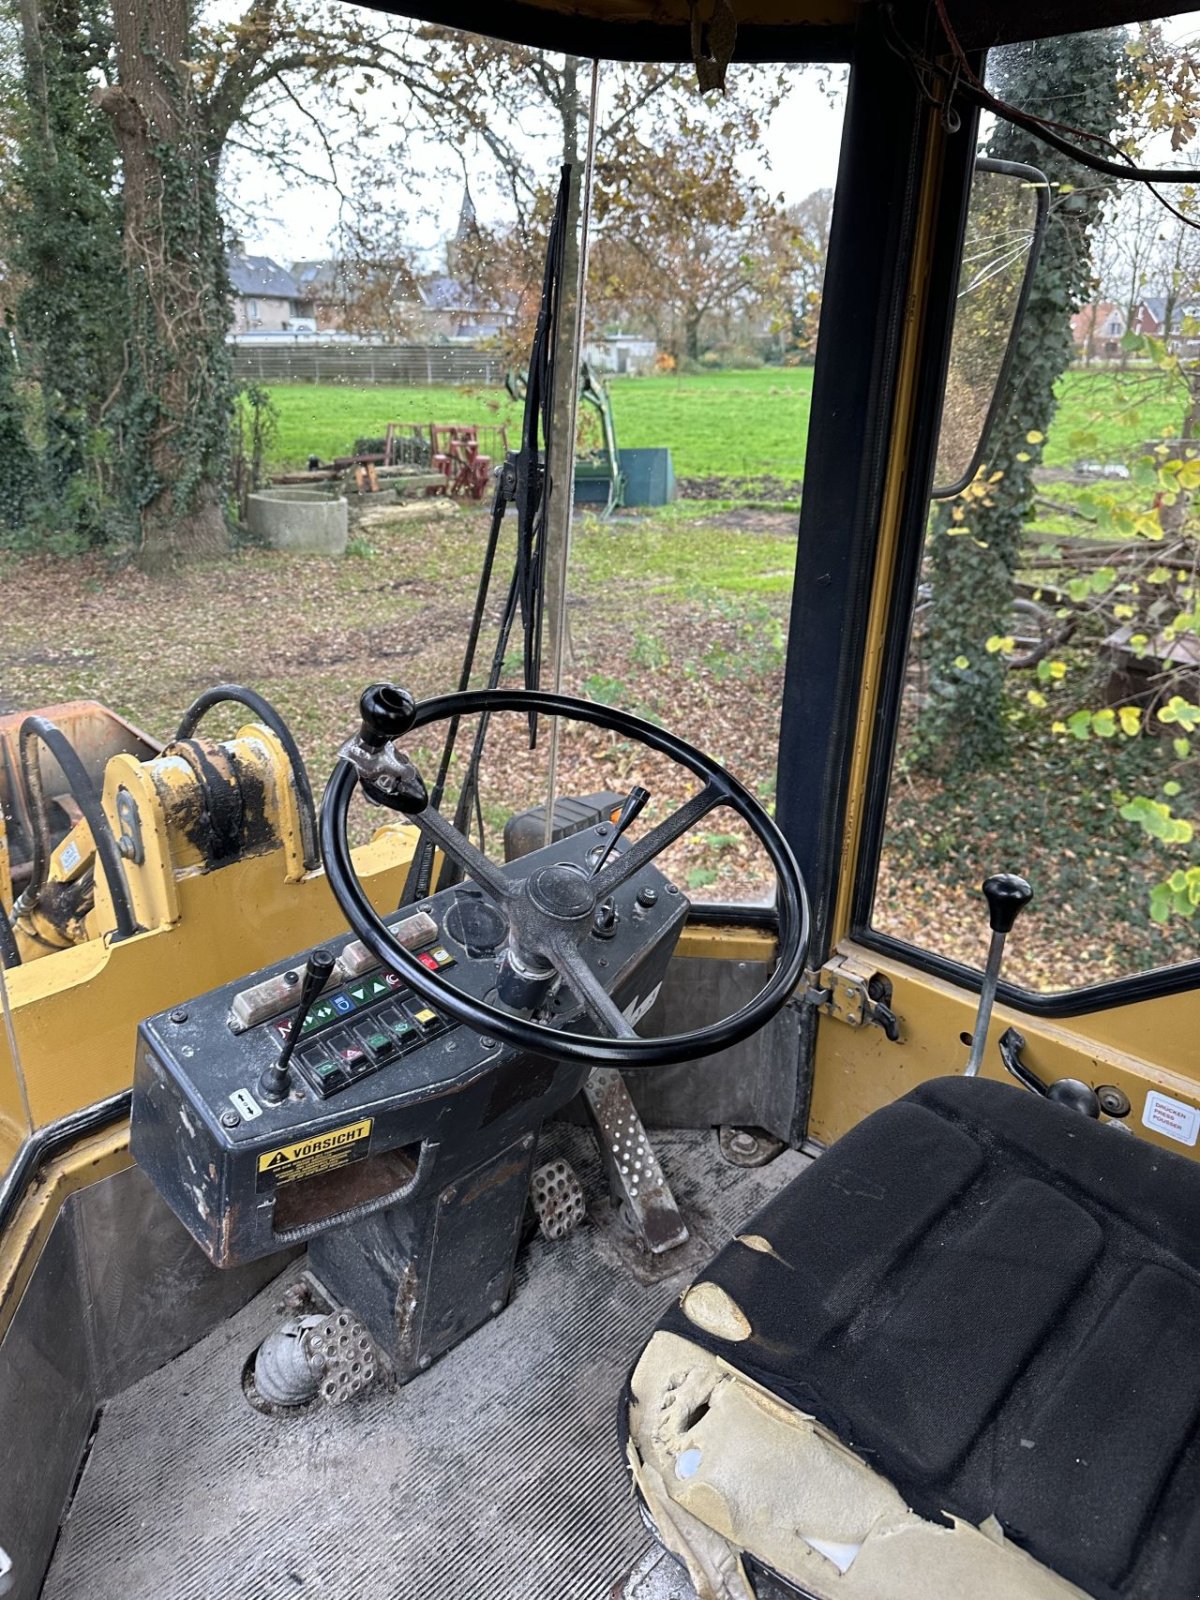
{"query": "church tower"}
pixel 466 235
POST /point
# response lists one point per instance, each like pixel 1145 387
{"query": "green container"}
pixel 649 477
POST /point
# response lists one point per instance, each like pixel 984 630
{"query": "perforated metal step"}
pixel 494 1475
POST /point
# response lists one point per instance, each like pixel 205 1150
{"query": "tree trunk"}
pixel 35 71
pixel 692 336
pixel 61 243
pixel 179 384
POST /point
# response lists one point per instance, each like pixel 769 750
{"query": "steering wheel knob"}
pixel 388 712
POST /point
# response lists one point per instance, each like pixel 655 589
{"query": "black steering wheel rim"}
pixel 792 908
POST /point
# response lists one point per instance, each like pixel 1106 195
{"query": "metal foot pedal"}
pixel 349 1355
pixel 639 1185
pixel 327 1354
pixel 558 1202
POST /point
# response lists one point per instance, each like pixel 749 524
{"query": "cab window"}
pixel 1046 701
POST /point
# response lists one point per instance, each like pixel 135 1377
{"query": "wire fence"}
pixel 400 364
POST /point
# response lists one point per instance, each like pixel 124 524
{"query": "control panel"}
pixel 361 1025
pixel 323 1089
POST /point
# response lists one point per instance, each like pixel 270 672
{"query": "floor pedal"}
pixel 558 1201
pixel 638 1183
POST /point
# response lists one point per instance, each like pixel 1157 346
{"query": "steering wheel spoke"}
pixel 460 849
pixel 568 961
pixel 661 837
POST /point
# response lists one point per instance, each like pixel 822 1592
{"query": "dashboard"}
pixel 389 1097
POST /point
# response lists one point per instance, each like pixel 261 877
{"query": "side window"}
pixel 1048 716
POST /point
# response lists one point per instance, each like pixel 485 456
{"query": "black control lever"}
pixel 635 804
pixel 1007 896
pixel 387 776
pixel 1070 1092
pixel 275 1081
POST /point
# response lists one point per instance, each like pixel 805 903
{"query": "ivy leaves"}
pixel 964 726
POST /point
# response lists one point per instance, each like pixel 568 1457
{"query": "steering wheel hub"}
pixel 561 892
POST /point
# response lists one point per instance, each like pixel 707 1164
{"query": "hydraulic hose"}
pixel 42 730
pixel 10 956
pixel 264 712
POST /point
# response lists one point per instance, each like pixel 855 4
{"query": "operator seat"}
pixel 958 1357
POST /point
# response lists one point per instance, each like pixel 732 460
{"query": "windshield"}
pixel 348 348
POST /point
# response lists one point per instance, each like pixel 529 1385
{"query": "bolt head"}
pixel 425 1361
pixel 179 1015
pixel 230 1119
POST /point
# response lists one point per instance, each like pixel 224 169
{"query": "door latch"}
pixel 853 993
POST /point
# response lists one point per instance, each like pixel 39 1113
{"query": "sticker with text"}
pixel 1174 1118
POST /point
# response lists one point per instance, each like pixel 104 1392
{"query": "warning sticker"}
pixel 308 1157
pixel 1175 1118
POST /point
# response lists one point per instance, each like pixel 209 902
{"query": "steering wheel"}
pixel 549 911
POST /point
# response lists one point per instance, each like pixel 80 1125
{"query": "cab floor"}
pixel 495 1474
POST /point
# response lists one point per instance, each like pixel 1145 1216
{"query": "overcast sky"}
pixel 801 145
pixel 299 221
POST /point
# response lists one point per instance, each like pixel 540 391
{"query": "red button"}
pixel 427 960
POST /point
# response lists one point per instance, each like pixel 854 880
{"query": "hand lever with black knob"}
pixel 1007 896
pixel 1070 1092
pixel 275 1081
pixel 634 805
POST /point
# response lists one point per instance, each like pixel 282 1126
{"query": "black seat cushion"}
pixel 996 1302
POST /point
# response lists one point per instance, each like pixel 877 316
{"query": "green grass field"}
pixel 716 424
pixel 1107 416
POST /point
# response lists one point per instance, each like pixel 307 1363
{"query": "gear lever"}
pixel 635 802
pixel 1007 896
pixel 275 1080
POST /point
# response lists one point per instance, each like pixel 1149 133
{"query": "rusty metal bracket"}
pixel 638 1183
pixel 130 842
pixel 854 993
